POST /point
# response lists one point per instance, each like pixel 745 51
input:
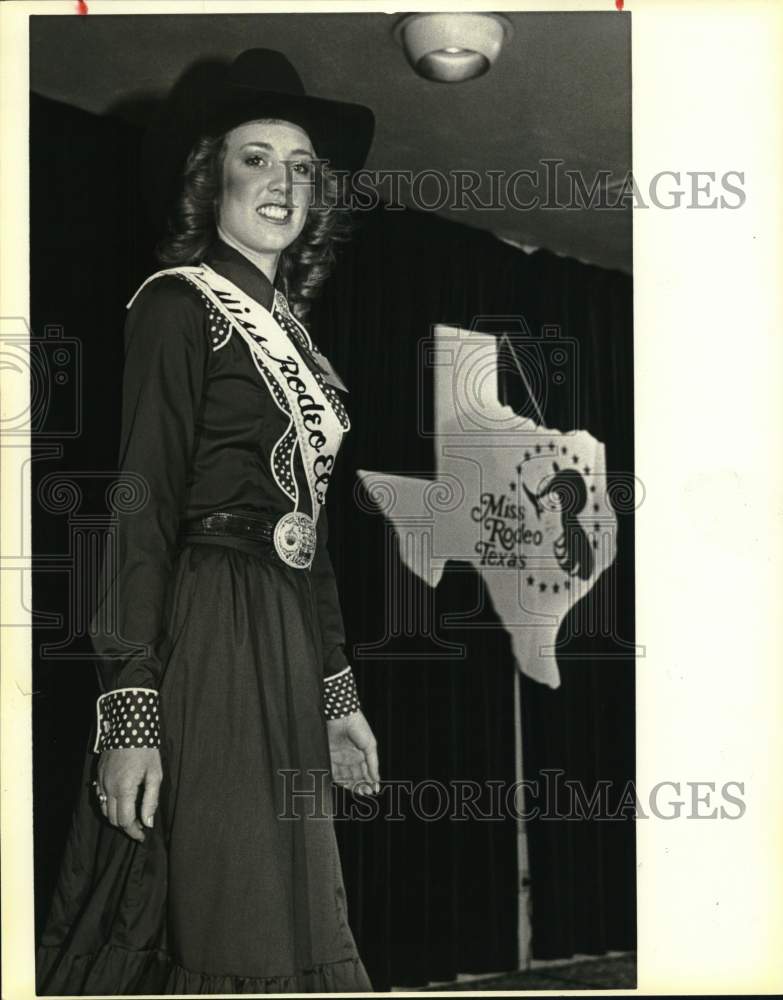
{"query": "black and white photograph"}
pixel 325 507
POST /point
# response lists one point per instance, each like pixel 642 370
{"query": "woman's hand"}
pixel 120 773
pixel 354 754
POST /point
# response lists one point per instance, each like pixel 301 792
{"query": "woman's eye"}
pixel 303 168
pixel 254 160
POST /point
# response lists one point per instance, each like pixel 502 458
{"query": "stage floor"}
pixel 607 973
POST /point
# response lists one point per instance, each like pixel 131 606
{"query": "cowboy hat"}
pixel 211 99
pixel 262 83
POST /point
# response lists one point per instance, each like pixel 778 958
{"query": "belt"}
pixel 290 539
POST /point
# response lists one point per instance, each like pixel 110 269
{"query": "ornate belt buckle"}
pixel 294 539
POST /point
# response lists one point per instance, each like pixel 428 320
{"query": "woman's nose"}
pixel 278 179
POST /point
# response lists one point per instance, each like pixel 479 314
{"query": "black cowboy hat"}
pixel 211 99
pixel 262 83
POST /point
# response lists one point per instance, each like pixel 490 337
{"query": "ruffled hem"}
pixel 121 972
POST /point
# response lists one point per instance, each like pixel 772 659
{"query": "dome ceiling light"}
pixel 450 48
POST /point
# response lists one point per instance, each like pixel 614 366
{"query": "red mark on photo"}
pixel 81 7
pixel 619 4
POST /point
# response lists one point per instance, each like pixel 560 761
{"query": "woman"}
pixel 202 857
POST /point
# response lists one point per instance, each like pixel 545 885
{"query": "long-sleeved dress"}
pixel 227 654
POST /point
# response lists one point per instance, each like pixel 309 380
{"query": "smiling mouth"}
pixel 274 213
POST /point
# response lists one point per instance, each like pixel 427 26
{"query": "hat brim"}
pixel 340 132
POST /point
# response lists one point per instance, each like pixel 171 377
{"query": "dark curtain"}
pixel 445 902
pixel 429 898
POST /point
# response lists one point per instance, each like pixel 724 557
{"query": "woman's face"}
pixel 267 185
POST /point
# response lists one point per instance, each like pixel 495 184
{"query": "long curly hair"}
pixel 303 266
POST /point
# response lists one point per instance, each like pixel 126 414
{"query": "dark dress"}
pixel 238 887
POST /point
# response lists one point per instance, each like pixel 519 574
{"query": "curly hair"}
pixel 303 266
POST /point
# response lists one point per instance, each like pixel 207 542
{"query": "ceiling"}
pixel 560 90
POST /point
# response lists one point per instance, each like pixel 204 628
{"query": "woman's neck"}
pixel 266 262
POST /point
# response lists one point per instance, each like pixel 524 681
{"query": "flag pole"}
pixel 524 930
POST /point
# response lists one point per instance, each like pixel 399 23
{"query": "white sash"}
pixel 319 425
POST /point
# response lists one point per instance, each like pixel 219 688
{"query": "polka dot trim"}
pixel 220 329
pixel 340 695
pixel 334 400
pixel 219 326
pixel 283 461
pixel 128 719
pixel 280 397
pixel 283 317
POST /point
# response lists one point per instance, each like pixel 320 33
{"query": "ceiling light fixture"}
pixel 450 48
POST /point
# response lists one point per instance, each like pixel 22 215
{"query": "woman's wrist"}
pixel 340 697
pixel 128 718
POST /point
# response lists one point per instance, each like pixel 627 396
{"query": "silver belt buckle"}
pixel 294 539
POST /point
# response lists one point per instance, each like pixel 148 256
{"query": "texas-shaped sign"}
pixel 526 505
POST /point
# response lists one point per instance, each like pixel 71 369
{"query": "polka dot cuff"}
pixel 340 695
pixel 128 719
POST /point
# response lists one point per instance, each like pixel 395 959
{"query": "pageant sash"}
pixel 317 423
